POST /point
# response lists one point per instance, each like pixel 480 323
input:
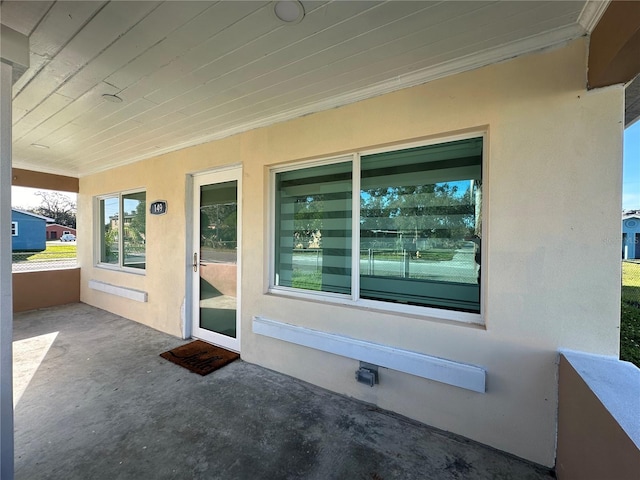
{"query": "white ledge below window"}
pixel 470 377
pixel 130 293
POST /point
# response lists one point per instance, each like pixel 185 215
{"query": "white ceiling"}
pixel 193 71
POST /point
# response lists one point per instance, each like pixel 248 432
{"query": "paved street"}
pixel 461 268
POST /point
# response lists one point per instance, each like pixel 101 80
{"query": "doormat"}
pixel 200 357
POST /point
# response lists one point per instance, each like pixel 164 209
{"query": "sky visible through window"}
pixel 111 207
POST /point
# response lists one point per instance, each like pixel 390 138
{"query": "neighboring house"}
pixel 28 231
pixel 631 236
pixel 55 231
pixel 113 219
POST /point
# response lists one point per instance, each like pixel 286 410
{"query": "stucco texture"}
pixel 552 189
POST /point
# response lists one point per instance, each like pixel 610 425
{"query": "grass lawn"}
pixel 438 255
pixel 306 280
pixel 630 314
pixel 53 251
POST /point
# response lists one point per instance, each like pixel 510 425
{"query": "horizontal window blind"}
pixel 419 225
pixel 313 228
pixel 420 216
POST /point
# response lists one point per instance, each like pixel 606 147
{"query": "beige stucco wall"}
pixel 53 287
pixel 552 190
pixel 592 444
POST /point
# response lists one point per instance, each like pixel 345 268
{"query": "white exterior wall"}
pixel 552 194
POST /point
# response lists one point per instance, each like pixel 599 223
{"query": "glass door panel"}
pixel 216 260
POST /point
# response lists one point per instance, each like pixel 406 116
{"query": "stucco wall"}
pixel 45 288
pixel 552 190
pixel 599 401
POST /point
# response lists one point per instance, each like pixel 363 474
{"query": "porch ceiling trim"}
pixel 525 46
pixel 47 111
pixel 592 13
pixel 589 18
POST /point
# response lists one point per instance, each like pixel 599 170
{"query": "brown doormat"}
pixel 200 357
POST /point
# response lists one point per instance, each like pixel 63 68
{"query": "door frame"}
pixel 192 309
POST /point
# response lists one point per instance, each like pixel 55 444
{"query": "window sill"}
pixel 115 268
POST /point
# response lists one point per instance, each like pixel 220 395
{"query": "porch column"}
pixel 14 59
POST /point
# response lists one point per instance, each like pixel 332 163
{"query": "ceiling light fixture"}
pixel 288 11
pixel 39 145
pixel 111 98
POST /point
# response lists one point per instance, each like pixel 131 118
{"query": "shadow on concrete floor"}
pixel 98 402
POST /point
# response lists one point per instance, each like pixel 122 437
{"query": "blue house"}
pixel 631 235
pixel 28 231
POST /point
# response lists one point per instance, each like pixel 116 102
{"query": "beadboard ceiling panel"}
pixel 193 71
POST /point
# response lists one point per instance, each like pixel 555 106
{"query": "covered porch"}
pixel 95 400
pixel 547 98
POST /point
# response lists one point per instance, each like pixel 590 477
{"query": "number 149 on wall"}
pixel 159 207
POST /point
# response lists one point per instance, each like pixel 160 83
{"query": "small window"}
pixel 418 214
pixel 14 229
pixel 122 230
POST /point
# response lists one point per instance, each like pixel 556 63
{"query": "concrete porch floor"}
pixel 95 401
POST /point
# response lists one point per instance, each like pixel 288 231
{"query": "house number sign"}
pixel 159 207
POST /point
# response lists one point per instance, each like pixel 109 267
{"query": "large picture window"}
pixel 122 230
pixel 414 226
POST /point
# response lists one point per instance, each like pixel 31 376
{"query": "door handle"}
pixel 195 262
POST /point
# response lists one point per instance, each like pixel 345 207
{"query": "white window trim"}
pixel 353 300
pixel 355 230
pixel 272 222
pixel 97 254
pixel 14 229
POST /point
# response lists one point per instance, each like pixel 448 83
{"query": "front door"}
pixel 216 249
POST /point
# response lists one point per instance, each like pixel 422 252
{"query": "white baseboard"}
pixel 470 377
pixel 130 293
